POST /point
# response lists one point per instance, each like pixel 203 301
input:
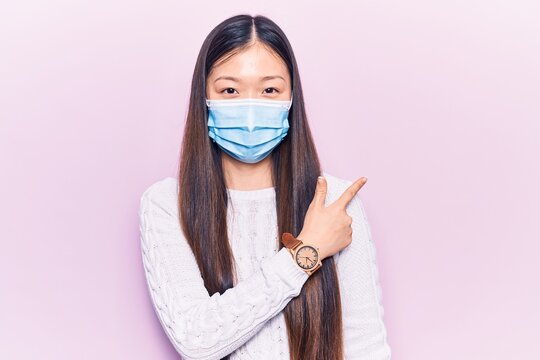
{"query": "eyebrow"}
pixel 263 78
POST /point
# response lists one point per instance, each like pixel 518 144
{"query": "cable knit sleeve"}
pixel 365 332
pixel 202 325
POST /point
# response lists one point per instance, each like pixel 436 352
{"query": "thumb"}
pixel 320 192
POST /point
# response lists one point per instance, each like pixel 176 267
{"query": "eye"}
pixel 227 91
pixel 271 88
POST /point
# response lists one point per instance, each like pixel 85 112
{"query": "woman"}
pixel 246 254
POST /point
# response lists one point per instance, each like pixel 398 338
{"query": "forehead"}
pixel 257 60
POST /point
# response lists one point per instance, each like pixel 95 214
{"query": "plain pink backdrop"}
pixel 437 103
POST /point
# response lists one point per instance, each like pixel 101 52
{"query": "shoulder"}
pixel 336 186
pixel 162 187
pixel 162 193
pixel 336 182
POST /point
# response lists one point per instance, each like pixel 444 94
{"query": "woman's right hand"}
pixel 329 228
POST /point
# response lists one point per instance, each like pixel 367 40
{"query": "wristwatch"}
pixel 305 255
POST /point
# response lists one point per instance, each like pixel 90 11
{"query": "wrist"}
pixel 306 255
pixel 323 252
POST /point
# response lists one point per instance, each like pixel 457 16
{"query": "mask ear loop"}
pixel 292 95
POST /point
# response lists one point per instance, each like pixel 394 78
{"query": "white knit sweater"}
pixel 247 321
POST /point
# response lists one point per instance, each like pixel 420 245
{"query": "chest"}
pixel 253 233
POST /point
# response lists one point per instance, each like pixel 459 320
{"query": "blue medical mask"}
pixel 248 129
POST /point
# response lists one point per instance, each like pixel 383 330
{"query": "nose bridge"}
pixel 251 116
pixel 252 92
pixel 251 84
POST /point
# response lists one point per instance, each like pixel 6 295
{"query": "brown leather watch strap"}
pixel 290 241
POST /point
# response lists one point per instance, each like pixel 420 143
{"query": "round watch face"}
pixel 307 257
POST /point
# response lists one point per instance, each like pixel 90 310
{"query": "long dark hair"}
pixel 313 318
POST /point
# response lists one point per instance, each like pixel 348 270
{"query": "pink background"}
pixel 437 103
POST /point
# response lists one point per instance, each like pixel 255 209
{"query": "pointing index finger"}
pixel 350 192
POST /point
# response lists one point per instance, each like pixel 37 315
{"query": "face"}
pixel 255 72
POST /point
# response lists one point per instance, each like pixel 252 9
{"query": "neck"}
pixel 244 176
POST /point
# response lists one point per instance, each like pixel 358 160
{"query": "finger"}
pixel 320 192
pixel 350 192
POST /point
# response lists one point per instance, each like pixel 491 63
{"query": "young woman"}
pixel 247 254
